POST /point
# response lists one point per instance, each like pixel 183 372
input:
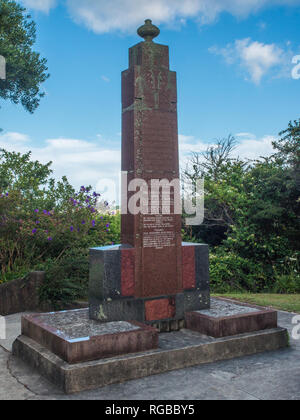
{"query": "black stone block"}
pixel 202 266
pixel 105 272
pixel 196 301
pixel 117 310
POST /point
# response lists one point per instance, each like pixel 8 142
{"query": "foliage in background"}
pixel 47 225
pixel 25 69
pixel 251 216
pixel 66 278
pixel 251 222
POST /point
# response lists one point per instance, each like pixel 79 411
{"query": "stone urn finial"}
pixel 148 31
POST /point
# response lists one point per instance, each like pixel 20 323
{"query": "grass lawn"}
pixel 289 303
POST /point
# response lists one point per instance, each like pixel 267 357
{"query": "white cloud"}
pixel 83 162
pixel 12 138
pixel 187 146
pixel 105 79
pixel 249 147
pixel 125 15
pixel 256 58
pixel 245 135
pixel 40 5
pixel 189 143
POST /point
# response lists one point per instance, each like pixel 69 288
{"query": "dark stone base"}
pixel 226 318
pixel 169 326
pixel 166 313
pixel 176 350
pixel 75 338
pixel 113 296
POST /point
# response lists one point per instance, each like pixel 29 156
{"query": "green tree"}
pixel 222 176
pixel 19 172
pixel 25 69
pixel 251 216
pixel 288 147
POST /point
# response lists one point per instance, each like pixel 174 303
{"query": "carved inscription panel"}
pixel 158 231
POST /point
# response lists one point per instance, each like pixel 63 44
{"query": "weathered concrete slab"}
pixel 177 350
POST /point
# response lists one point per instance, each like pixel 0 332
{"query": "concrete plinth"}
pixel 176 350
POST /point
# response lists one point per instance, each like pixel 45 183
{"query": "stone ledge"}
pixel 226 318
pixel 75 338
pixel 174 355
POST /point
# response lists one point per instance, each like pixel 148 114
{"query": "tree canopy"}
pixel 25 69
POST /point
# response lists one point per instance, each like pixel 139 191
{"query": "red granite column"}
pixel 150 151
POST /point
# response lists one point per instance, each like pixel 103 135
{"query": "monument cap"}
pixel 148 31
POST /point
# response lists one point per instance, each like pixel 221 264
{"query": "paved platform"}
pixel 273 375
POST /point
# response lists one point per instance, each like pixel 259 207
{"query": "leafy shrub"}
pixel 230 272
pixel 287 284
pixel 66 279
pixel 46 225
pixel 28 236
pixel 287 280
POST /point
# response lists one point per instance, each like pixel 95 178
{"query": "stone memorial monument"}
pixel 149 307
pixel 152 277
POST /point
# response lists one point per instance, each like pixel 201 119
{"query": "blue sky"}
pixel 234 65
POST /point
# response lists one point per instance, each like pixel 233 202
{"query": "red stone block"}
pixel 160 309
pixel 52 331
pixel 127 273
pixel 188 267
pixel 263 319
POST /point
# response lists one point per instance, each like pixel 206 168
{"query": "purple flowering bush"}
pixel 47 225
pixel 28 236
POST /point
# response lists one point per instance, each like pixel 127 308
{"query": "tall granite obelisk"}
pixel 152 277
pixel 150 152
